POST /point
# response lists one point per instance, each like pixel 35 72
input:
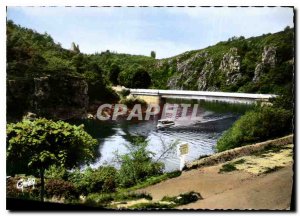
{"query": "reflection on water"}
pixel 202 133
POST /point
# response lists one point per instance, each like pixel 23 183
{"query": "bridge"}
pixel 155 96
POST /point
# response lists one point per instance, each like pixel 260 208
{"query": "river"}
pixel 201 134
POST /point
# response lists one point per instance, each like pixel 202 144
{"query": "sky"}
pixel 139 30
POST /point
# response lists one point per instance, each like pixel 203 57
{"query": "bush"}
pixel 28 193
pixel 137 165
pixel 183 199
pixel 151 205
pixel 56 172
pixel 101 180
pixel 61 189
pixel 257 125
pixel 131 196
pixel 227 168
pixel 98 199
pixel 124 93
pixel 131 101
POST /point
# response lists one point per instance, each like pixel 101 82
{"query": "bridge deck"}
pixel 200 94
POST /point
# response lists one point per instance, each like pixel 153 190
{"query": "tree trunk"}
pixel 42 170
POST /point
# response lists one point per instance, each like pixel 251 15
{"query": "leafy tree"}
pixel 114 74
pixel 153 54
pixel 141 79
pixel 36 145
pixel 135 77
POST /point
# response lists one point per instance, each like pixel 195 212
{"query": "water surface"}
pixel 201 134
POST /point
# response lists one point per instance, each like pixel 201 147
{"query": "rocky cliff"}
pixel 58 97
pixel 259 64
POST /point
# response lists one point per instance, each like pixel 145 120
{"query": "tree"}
pixel 153 54
pixel 33 146
pixel 114 74
pixel 141 78
pixel 135 77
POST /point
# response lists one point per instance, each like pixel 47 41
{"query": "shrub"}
pixel 151 205
pixel 137 165
pixel 183 199
pixel 98 199
pixel 28 193
pixel 56 172
pixel 124 93
pixel 61 189
pixel 131 101
pixel 131 196
pixel 256 125
pixel 227 168
pixel 273 169
pixel 102 179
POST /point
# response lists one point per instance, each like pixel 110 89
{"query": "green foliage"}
pixel 124 93
pixel 61 189
pixel 137 165
pixel 272 169
pixel 131 101
pixel 41 143
pixel 153 54
pixel 228 167
pixel 13 192
pixel 151 205
pixel 102 179
pixel 257 125
pixel 154 180
pixel 56 172
pixel 103 199
pixel 184 198
pixel 114 74
pixel 99 199
pixel 135 77
pixel 30 55
pixel 131 196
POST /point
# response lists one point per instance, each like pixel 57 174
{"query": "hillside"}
pixel 261 64
pixel 258 64
pixel 37 66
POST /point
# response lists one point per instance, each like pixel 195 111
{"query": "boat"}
pixel 163 123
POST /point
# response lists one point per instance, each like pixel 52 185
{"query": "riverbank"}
pixel 261 180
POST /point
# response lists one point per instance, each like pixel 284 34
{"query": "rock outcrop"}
pixel 188 70
pixel 58 97
pixel 230 66
pixel 206 72
pixel 268 58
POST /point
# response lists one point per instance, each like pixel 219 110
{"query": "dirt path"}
pixel 240 189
